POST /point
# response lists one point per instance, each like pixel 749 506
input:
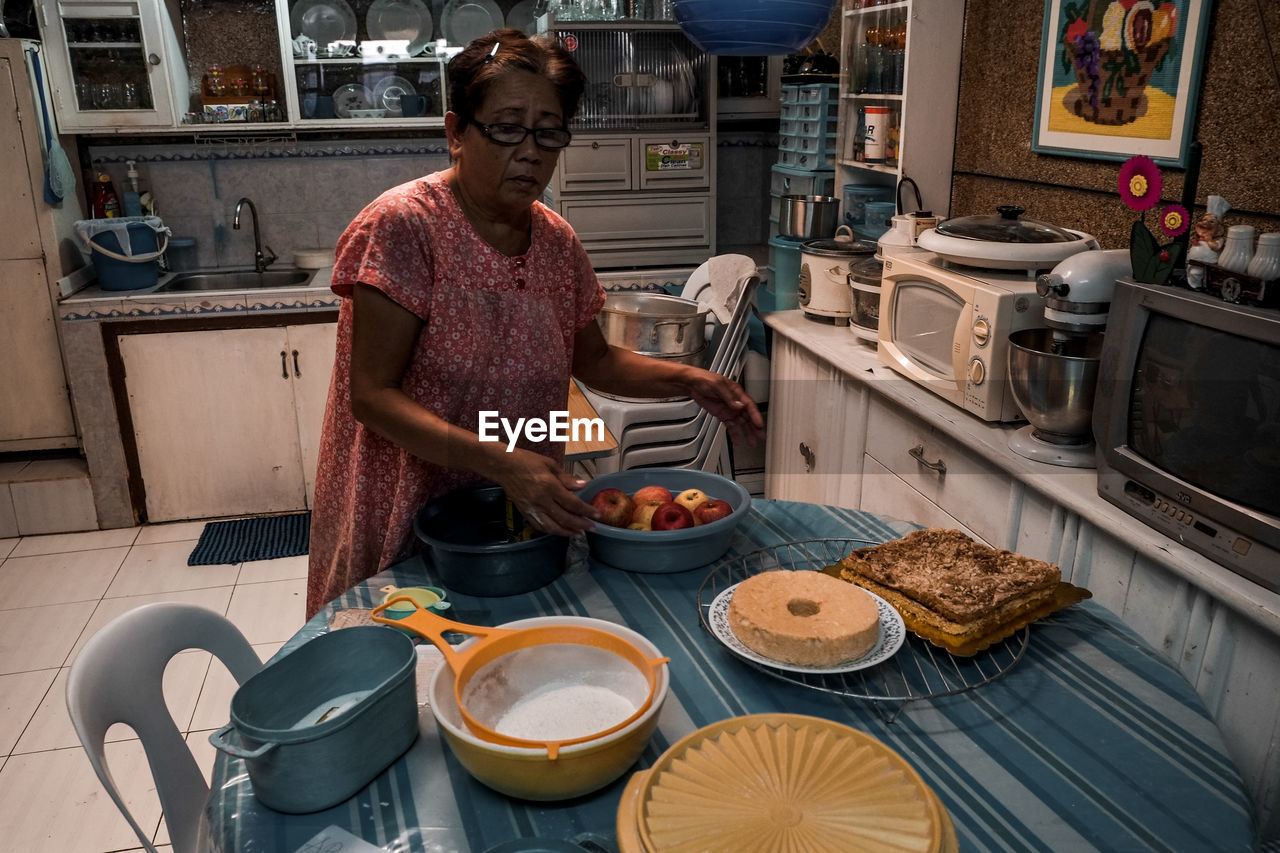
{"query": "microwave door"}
pixel 926 321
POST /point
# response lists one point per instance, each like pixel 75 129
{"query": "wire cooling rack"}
pixel 919 670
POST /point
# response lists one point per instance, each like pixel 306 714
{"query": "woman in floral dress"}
pixel 465 294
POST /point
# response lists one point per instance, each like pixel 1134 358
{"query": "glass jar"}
pixel 215 83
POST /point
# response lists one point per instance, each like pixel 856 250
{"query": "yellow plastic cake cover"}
pixel 769 782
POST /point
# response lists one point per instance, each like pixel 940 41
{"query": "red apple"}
pixel 712 510
pixel 615 507
pixel 644 512
pixel 671 516
pixel 644 494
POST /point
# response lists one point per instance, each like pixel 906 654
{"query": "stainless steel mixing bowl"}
pixel 1053 382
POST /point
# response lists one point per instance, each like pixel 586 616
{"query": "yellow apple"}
pixel 644 513
pixel 690 499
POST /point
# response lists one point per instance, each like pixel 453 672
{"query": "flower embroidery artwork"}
pixel 1140 184
pixel 1119 53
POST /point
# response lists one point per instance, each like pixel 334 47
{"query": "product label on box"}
pixel 673 158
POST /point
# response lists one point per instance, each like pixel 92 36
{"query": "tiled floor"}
pixel 55 592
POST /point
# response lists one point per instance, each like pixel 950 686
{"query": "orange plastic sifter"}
pixel 508 675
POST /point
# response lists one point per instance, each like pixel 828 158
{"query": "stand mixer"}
pixel 1053 371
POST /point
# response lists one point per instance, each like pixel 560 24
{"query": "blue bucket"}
pixel 118 270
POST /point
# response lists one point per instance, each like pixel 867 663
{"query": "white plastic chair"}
pixel 119 678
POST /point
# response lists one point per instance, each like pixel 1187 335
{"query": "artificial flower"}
pixel 1174 220
pixel 1140 183
pixel 1112 27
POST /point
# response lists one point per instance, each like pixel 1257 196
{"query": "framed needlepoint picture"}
pixel 1120 77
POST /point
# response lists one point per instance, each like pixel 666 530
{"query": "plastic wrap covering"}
pixel 119 226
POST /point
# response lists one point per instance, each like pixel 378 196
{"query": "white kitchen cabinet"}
pixel 226 422
pixel 924 37
pixel 1222 631
pixel 35 407
pixel 114 64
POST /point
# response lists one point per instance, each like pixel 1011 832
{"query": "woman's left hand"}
pixel 724 399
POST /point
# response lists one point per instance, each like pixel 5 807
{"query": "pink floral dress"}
pixel 498 335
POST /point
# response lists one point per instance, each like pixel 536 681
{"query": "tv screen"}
pixel 1206 408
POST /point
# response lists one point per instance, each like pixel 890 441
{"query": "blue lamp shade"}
pixel 752 27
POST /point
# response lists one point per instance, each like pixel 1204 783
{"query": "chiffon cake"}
pixel 957 593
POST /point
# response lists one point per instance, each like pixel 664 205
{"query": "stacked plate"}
pixel 770 782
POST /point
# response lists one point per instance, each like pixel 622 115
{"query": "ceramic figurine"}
pixel 1206 243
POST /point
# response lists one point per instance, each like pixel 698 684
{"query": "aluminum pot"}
pixel 808 217
pixel 654 323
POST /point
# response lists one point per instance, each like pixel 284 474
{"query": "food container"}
pixel 319 724
pixel 856 197
pixel 663 551
pixel 479 545
pixel 864 287
pixel 654 323
pixel 528 772
pixel 808 217
pixel 822 288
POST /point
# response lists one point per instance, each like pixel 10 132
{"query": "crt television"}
pixel 1187 423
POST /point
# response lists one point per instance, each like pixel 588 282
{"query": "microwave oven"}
pixel 1187 423
pixel 947 328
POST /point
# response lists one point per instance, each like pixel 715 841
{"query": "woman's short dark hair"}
pixel 473 72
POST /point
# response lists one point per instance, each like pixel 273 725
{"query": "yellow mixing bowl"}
pixel 529 773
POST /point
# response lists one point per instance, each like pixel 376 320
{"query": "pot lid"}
pixel 838 248
pixel 867 270
pixel 1006 227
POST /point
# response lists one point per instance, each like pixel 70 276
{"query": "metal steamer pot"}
pixel 822 288
pixel 656 325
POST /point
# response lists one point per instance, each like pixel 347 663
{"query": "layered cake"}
pixel 952 590
pixel 805 617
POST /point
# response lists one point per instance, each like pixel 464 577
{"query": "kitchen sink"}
pixel 235 280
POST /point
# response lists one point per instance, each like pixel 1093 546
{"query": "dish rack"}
pixel 919 670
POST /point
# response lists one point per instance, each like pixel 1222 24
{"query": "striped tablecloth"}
pixel 1092 741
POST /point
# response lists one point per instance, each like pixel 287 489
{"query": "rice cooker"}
pixel 822 288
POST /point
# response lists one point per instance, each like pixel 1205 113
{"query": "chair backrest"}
pixel 118 677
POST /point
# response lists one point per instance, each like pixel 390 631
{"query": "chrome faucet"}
pixel 261 260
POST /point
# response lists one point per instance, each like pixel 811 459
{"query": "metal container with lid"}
pixel 1005 241
pixel 823 288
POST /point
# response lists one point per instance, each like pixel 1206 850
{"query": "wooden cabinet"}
pixel 903 58
pixel 114 64
pixel 227 422
pixel 35 407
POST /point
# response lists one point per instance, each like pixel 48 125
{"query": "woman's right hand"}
pixel 543 492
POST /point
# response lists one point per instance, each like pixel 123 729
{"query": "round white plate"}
pixel 350 97
pixel 387 92
pixel 467 20
pixel 892 634
pixel 394 20
pixel 324 21
pixel 520 17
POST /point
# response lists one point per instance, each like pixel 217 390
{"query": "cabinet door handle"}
pixel 917 453
pixel 297 371
pixel 153 59
pixel 284 365
pixel 595 146
pixel 809 456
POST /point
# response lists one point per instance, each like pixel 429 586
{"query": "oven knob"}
pixel 981 331
pixel 977 372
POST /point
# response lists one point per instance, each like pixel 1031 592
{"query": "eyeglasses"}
pixel 513 134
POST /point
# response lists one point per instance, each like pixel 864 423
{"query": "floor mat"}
pixel 248 539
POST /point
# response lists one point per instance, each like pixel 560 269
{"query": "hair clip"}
pixel 492 53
